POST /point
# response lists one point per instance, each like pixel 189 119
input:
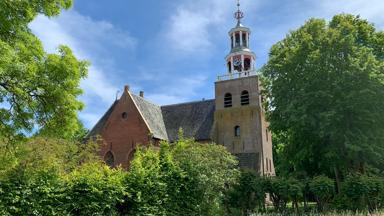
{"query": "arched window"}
pixel 245 39
pixel 131 155
pixel 244 98
pixel 228 100
pixel 247 64
pixel 229 66
pixel 237 39
pixel 237 131
pixel 109 159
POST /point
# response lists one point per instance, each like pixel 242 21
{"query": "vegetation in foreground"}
pixel 58 177
pixel 324 86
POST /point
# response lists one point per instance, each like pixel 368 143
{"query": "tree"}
pixel 325 89
pixel 45 177
pixel 323 189
pixel 185 178
pixel 37 90
pixel 248 194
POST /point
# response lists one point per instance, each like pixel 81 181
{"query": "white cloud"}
pixel 87 38
pixel 177 91
pixel 371 10
pixel 190 28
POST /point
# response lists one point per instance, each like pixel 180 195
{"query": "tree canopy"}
pixel 325 89
pixel 38 91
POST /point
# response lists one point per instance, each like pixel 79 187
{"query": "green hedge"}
pixel 50 177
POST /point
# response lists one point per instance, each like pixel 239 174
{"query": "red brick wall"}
pixel 121 136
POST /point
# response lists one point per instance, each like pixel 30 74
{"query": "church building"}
pixel 234 119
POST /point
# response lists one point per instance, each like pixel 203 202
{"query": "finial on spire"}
pixel 238 14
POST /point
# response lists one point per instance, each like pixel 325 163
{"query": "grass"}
pixel 379 213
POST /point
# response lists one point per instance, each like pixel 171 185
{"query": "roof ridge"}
pixel 185 103
pixel 141 98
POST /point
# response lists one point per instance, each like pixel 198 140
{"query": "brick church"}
pixel 234 119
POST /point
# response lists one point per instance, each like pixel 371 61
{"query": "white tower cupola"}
pixel 241 58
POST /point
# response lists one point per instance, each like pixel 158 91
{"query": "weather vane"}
pixel 238 14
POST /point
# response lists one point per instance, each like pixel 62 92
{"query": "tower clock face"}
pixel 237 62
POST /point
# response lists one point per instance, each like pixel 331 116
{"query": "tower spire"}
pixel 238 14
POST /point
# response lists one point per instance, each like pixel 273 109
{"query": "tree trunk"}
pixel 337 178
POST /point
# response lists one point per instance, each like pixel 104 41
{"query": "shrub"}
pixel 278 190
pixel 31 195
pixel 94 189
pixel 363 192
pixel 248 194
pixel 323 188
pixel 185 178
pixel 295 192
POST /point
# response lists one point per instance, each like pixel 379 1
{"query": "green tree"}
pixel 323 188
pixel 94 189
pixel 37 90
pixel 325 89
pixel 185 178
pixel 42 176
pixel 248 194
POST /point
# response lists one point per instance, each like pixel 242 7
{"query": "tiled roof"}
pixel 153 116
pixel 96 130
pixel 195 118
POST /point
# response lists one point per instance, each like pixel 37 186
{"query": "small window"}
pixel 237 40
pixel 245 39
pixel 244 98
pixel 228 100
pixel 229 66
pixel 109 159
pixel 247 64
pixel 266 133
pixel 124 115
pixel 237 131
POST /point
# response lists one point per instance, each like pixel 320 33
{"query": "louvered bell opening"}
pixel 244 98
pixel 227 100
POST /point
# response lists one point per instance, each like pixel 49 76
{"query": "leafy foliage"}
pixel 94 189
pixel 323 189
pixel 248 194
pixel 283 190
pixel 363 192
pixel 59 177
pixel 37 90
pixel 182 178
pixel 325 89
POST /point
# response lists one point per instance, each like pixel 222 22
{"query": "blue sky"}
pixel 173 50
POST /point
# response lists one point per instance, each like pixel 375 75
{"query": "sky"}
pixel 173 50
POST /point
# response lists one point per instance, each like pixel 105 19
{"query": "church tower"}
pixel 240 58
pixel 239 118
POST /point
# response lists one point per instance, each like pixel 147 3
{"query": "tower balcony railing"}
pixel 236 75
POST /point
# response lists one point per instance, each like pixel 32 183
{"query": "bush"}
pixel 94 189
pixel 323 188
pixel 295 192
pixel 185 178
pixel 363 192
pixel 283 190
pixel 26 195
pixel 248 194
pixel 34 183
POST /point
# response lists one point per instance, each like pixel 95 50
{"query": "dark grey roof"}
pixel 153 116
pixel 195 118
pixel 96 130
